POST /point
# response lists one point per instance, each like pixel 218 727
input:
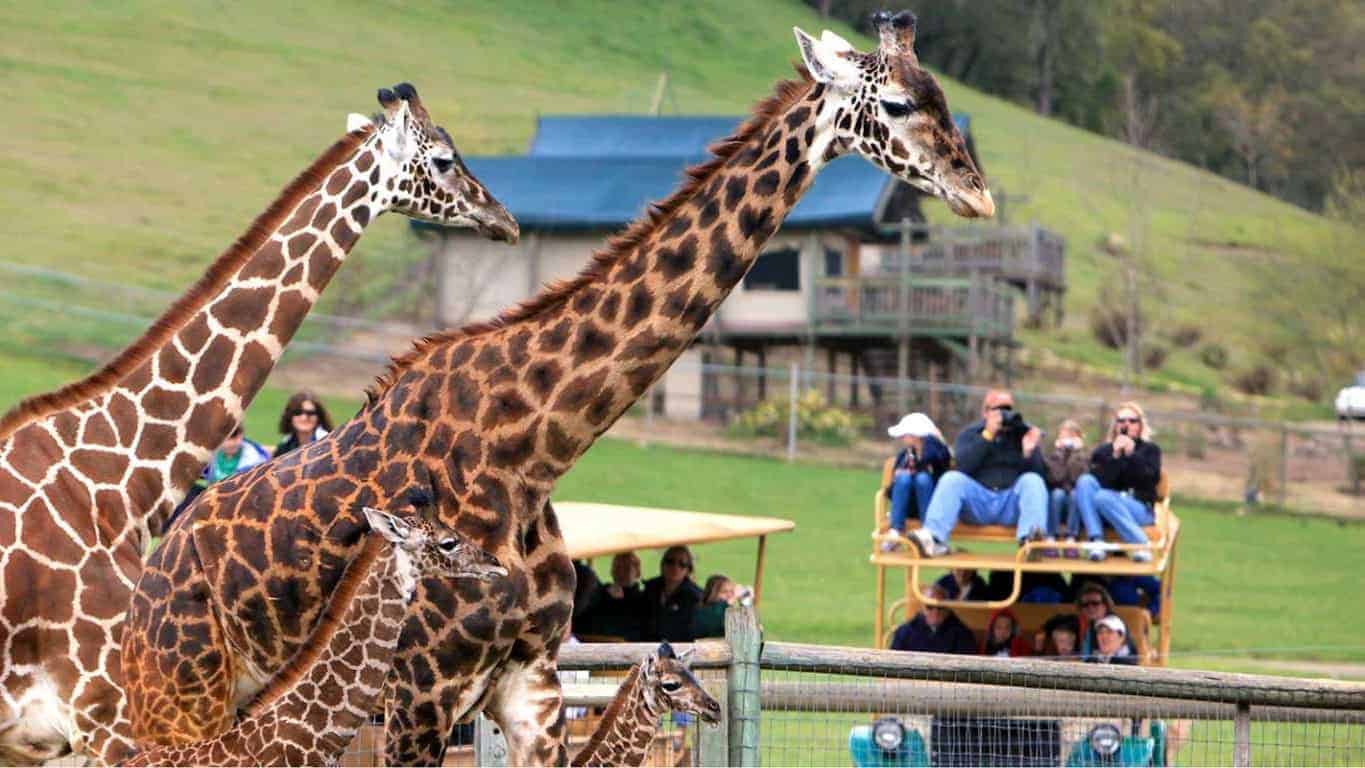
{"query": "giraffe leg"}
pixel 416 726
pixel 527 704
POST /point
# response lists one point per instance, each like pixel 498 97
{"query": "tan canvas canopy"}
pixel 594 530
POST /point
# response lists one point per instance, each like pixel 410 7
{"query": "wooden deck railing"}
pixel 1015 253
pixel 934 306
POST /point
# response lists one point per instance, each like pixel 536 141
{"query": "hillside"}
pixel 143 136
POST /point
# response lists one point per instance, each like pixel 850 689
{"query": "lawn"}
pixel 143 136
pixel 1265 586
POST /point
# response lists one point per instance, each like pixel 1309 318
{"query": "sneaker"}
pixel 1070 552
pixel 927 545
pixel 1140 555
pixel 1095 551
pixel 890 544
pixel 1035 554
pixel 1051 552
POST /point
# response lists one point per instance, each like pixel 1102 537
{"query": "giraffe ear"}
pixel 686 658
pixel 388 525
pixel 828 63
pixel 356 122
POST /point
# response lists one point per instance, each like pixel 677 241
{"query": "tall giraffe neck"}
pixel 627 728
pixel 340 672
pixel 173 395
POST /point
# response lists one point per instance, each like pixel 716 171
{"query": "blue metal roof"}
pixel 600 171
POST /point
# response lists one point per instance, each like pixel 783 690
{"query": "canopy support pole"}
pixel 758 568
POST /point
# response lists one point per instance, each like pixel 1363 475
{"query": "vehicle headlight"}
pixel 888 733
pixel 1105 739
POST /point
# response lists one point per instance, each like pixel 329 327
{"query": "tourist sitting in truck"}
pixel 934 629
pixel 1121 487
pixel 909 477
pixel 1066 462
pixel 1111 643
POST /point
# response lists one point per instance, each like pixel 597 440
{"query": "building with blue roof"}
pixel 831 278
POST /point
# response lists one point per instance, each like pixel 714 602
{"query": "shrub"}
pixel 816 420
pixel 1109 324
pixel 1196 441
pixel 1307 387
pixel 1257 380
pixel 1186 336
pixel 1214 355
pixel 1154 356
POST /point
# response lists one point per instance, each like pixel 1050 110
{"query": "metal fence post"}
pixel 744 707
pixel 1284 465
pixel 793 395
pixel 489 745
pixel 1241 736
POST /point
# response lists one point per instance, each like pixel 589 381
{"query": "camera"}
pixel 1012 424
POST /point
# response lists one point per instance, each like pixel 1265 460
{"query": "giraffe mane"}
pixel 169 323
pixel 612 712
pixel 785 93
pixel 326 628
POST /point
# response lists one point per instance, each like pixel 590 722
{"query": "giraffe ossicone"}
pixel 312 710
pixel 90 471
pixel 490 416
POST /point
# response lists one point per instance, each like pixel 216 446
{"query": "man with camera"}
pixel 998 480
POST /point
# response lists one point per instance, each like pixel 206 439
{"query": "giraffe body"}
pixel 661 683
pixel 90 471
pixel 488 417
pixel 313 708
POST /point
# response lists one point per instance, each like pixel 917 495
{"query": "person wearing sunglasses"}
pixel 934 630
pixel 303 421
pixel 1121 486
pixel 998 480
pixel 1093 603
pixel 671 598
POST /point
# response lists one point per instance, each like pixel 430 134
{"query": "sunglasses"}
pixel 677 563
pixel 302 412
pixel 1091 603
pixel 1126 420
pixel 1002 408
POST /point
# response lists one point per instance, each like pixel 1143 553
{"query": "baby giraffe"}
pixel 312 709
pixel 661 683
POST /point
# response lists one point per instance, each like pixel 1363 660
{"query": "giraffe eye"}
pixel 671 686
pixel 443 164
pixel 896 108
pixel 448 545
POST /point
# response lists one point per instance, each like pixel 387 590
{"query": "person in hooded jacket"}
pixel 934 630
pixel 909 477
pixel 1121 487
pixel 1003 637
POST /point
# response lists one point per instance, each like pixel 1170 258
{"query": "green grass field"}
pixel 1270 586
pixel 142 137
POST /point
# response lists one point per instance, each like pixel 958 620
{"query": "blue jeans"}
pixel 1098 506
pixel 1062 515
pixel 905 486
pixel 1023 505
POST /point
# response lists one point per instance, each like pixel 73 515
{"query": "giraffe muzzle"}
pixel 972 204
pixel 498 225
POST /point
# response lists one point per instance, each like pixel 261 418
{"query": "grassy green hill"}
pixel 142 136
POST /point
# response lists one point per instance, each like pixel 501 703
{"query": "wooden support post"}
pixel 741 388
pixel 1241 736
pixel 832 369
pixel 854 370
pixel 762 373
pixel 1284 465
pixel 746 644
pixel 902 373
pixel 489 745
pixel 758 568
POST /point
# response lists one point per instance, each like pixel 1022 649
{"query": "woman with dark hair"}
pixel 303 421
pixel 671 598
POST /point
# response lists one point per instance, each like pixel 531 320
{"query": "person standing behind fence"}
pixel 909 477
pixel 303 421
pixel 618 608
pixel 1121 486
pixel 934 629
pixel 1067 461
pixel 671 598
pixel 998 480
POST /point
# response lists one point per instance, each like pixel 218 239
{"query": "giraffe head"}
pixel 427 180
pixel 668 680
pixel 887 108
pixel 431 549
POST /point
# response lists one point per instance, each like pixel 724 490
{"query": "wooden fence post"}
pixel 1284 465
pixel 489 745
pixel 1241 736
pixel 746 644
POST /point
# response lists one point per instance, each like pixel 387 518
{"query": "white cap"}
pixel 1113 622
pixel 915 424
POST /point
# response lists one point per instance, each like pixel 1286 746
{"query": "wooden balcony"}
pixel 895 305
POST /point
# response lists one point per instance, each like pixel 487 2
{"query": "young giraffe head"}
pixel 427 549
pixel 670 684
pixel 426 178
pixel 887 108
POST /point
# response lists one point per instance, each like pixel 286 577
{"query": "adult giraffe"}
pixel 88 471
pixel 487 418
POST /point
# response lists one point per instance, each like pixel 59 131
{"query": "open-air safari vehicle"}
pixel 1122 742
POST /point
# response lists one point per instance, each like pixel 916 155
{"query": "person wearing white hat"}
pixel 1111 645
pixel 909 476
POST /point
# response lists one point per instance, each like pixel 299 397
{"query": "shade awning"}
pixel 594 530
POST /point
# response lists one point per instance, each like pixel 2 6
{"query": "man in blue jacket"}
pixel 998 480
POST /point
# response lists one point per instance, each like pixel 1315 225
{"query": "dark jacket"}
pixel 622 616
pixel 952 636
pixel 1015 646
pixel 709 619
pixel 1137 472
pixel 978 590
pixel 1065 466
pixel 933 458
pixel 995 464
pixel 670 620
pixel 1130 661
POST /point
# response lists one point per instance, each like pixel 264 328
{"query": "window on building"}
pixel 834 262
pixel 775 270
